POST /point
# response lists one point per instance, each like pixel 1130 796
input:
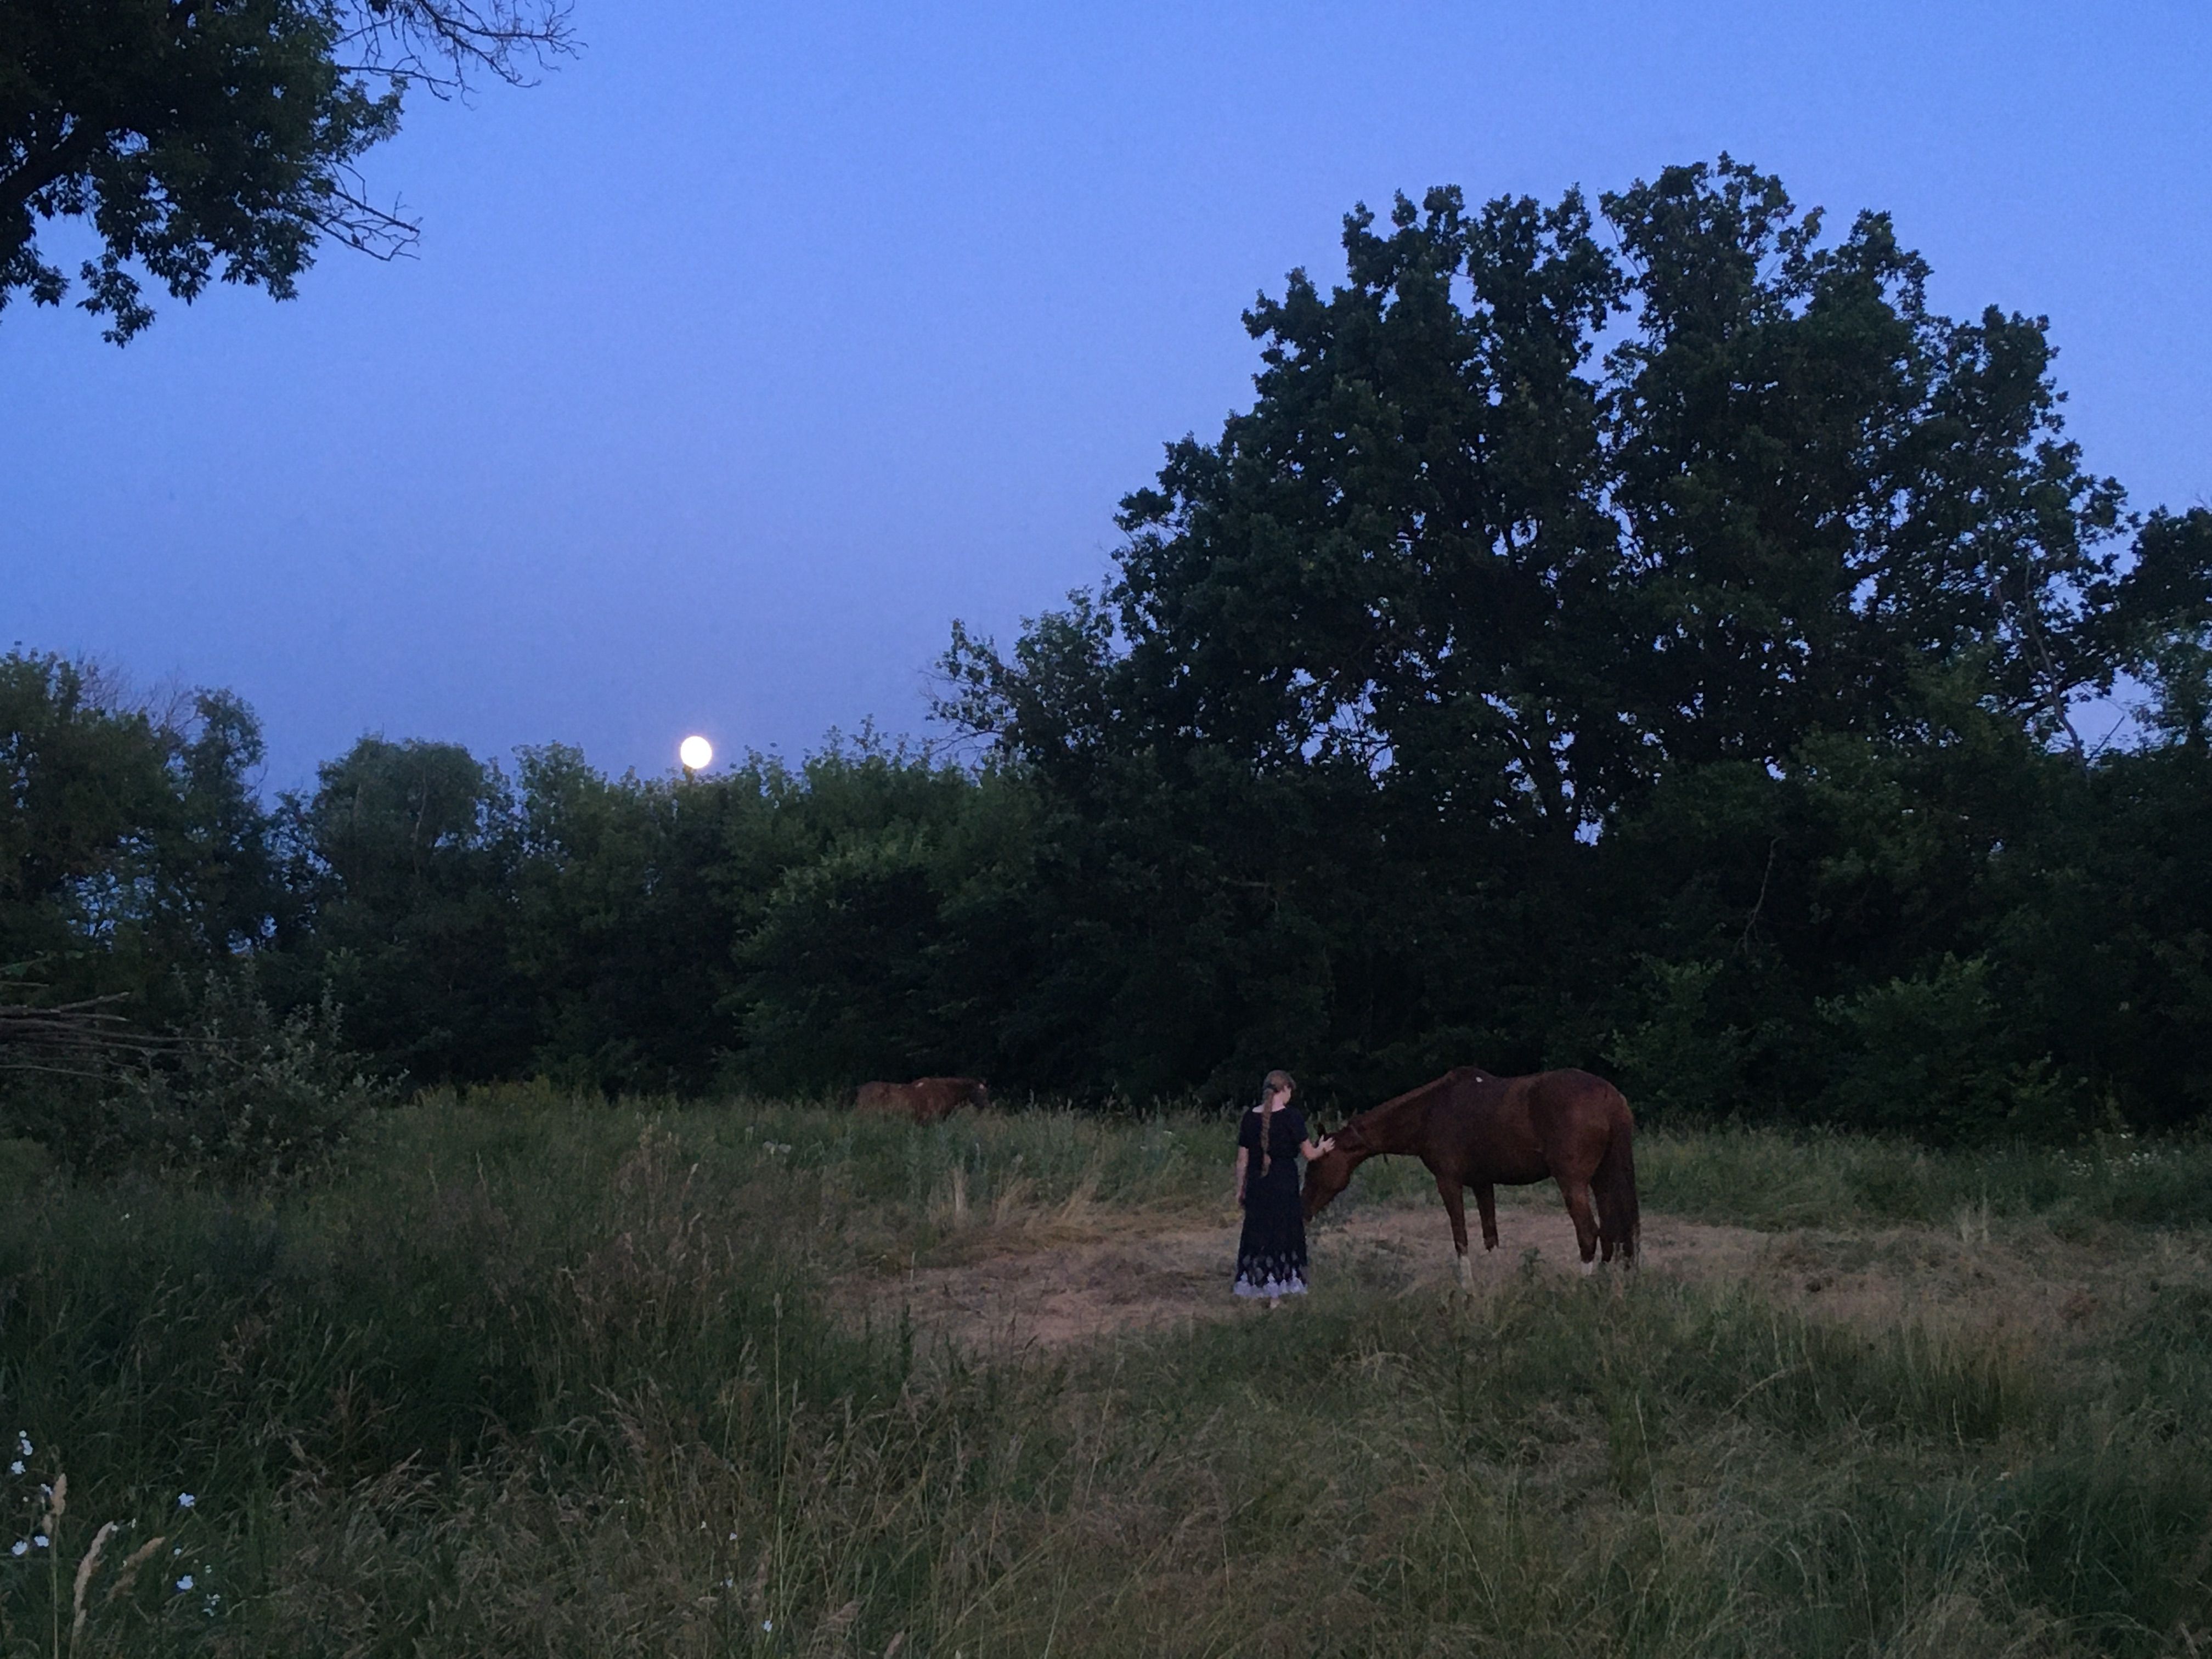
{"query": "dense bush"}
pixel 235 1093
pixel 246 1094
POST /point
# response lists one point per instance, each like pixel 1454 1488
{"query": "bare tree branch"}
pixel 441 44
pixel 86 1038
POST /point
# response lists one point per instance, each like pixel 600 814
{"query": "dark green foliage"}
pixel 404 858
pixel 1701 708
pixel 132 845
pixel 862 914
pixel 1644 637
pixel 218 139
pixel 892 938
pixel 241 1095
pixel 232 1091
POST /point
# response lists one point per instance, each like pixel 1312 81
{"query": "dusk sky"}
pixel 757 344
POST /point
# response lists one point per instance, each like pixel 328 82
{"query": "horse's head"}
pixel 1331 1173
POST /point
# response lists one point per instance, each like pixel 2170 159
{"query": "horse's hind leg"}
pixel 1578 1194
pixel 1486 1204
pixel 1456 1207
pixel 1606 1227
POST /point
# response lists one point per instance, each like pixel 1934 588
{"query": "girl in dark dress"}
pixel 1271 1255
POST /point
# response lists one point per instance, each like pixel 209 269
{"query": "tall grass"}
pixel 536 1376
pixel 1767 1178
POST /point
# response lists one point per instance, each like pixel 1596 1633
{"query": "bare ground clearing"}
pixel 1060 1278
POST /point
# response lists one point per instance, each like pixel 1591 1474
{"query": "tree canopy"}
pixel 1565 603
pixel 1519 523
pixel 219 139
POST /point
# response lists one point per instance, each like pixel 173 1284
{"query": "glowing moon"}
pixel 695 752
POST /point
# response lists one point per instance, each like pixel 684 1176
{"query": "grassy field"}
pixel 532 1375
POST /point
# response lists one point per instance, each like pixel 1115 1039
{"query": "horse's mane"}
pixel 1375 1117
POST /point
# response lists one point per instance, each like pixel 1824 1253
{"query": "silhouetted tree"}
pixel 206 139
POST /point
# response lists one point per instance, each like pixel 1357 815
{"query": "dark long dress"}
pixel 1270 1254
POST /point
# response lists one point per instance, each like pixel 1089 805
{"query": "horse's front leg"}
pixel 1448 1188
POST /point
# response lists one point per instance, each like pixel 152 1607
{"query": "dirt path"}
pixel 1015 1290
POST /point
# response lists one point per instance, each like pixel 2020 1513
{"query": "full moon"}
pixel 695 753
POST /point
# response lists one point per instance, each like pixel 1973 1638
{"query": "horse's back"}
pixel 937 1097
pixel 1492 1122
pixel 1527 1128
pixel 1576 1104
pixel 1576 1090
pixel 925 1100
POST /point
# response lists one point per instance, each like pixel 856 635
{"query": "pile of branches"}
pixel 87 1038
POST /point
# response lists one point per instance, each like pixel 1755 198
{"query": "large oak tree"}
pixel 1664 579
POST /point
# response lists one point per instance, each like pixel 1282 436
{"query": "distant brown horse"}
pixel 925 1100
pixel 1475 1130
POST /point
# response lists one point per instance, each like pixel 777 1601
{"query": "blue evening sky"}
pixel 759 343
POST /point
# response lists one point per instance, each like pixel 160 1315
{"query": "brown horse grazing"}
pixel 925 1100
pixel 1475 1130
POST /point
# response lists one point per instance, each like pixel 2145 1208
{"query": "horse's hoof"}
pixel 1589 1267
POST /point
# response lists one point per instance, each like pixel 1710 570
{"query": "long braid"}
pixel 1274 1081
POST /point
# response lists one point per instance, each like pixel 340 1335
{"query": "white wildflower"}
pixel 185 1500
pixel 768 1623
pixel 21 1546
pixel 22 1443
pixel 15 1467
pixel 41 1539
pixel 184 1583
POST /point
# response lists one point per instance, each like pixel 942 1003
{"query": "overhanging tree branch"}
pixel 440 44
pixel 201 138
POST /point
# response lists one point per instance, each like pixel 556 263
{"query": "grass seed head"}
pixel 132 1562
pixel 85 1568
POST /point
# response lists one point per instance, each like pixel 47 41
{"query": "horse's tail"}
pixel 1619 1226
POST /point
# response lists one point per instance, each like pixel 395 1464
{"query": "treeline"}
pixel 1646 637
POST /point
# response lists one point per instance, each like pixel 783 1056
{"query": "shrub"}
pixel 242 1095
pixel 1934 1056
